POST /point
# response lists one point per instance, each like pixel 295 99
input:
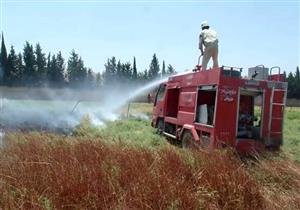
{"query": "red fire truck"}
pixel 218 107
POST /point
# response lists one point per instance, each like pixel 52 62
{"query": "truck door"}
pixel 250 114
pixel 158 109
pixel 172 102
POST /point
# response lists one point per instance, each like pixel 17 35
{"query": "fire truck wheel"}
pixel 188 140
pixel 160 126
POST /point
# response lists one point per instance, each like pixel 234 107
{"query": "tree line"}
pixel 33 68
pixel 293 80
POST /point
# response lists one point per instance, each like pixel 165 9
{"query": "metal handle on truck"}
pixel 275 67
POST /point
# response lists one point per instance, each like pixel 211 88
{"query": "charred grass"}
pixel 42 171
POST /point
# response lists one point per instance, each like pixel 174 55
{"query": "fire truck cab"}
pixel 218 107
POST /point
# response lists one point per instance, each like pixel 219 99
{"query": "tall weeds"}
pixel 40 171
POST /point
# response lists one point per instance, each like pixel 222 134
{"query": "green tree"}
pixel 29 65
pixel 127 72
pixel 41 66
pixel 154 68
pixel 291 93
pixel 170 70
pixel 72 69
pixel 134 70
pixel 20 68
pixel 82 70
pixel 49 68
pixel 12 72
pixel 98 80
pixel 1 74
pixel 163 70
pixel 110 72
pixel 119 72
pixel 76 71
pixel 145 75
pixel 52 70
pixel 3 60
pixel 90 78
pixel 56 68
pixel 297 83
pixel 60 70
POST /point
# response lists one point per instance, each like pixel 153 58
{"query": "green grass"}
pixel 139 132
pixel 291 133
pixel 133 131
pixel 138 108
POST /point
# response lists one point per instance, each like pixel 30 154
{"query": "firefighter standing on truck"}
pixel 208 39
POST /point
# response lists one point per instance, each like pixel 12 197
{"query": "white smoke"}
pixel 60 115
pixel 114 100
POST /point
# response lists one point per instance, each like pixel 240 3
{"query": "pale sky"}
pixel 250 32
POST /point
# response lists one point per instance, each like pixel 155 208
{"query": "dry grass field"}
pixel 126 165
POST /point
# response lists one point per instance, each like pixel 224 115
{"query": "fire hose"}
pixel 199 59
pixel 198 67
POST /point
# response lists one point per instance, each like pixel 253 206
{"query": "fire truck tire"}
pixel 160 126
pixel 188 140
pixel 273 148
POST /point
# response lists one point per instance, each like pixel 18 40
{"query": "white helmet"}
pixel 204 24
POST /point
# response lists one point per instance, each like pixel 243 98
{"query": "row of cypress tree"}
pixel 32 68
pixel 115 71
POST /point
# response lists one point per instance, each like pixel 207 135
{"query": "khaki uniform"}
pixel 208 38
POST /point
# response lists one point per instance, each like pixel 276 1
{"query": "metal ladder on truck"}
pixel 278 101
